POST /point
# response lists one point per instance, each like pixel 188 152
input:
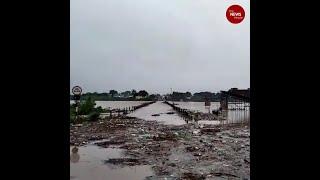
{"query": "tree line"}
pixel 114 95
pixel 198 96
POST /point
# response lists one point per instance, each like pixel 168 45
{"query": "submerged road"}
pixel 158 108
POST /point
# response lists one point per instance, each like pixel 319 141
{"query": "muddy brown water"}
pixel 90 165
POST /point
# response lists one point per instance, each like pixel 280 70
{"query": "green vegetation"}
pixel 113 92
pixel 114 95
pixel 143 95
pixel 196 97
pixel 87 111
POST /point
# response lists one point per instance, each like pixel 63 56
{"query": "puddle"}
pixel 88 164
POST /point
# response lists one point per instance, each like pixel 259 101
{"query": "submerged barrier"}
pixel 184 112
pixel 193 115
pixel 142 105
pixel 126 110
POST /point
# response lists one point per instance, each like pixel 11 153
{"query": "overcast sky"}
pixel 186 45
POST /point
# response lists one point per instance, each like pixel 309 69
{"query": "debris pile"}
pixel 175 152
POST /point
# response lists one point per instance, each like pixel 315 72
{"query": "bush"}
pixel 87 106
pixel 93 116
pixel 100 110
pixel 72 118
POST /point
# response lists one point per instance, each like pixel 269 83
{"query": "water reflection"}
pixel 237 116
pixel 198 106
pixel 237 113
pixel 91 165
pixel 74 157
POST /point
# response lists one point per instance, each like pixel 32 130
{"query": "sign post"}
pixel 224 106
pixel 76 91
pixel 207 104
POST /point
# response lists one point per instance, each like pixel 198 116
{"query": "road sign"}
pixel 76 90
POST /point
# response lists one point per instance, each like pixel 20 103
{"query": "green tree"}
pixel 143 93
pixel 113 92
pixel 153 97
pixel 126 93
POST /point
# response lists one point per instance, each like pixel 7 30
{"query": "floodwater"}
pixel 158 108
pixel 118 104
pixel 174 119
pixel 88 164
pixel 232 116
pixel 197 106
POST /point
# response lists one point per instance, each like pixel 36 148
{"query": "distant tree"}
pixel 105 94
pixel 188 94
pixel 133 92
pixel 113 92
pixel 143 93
pixel 153 97
pixel 202 96
pixel 126 93
pixel 176 96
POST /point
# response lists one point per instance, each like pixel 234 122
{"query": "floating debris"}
pixel 123 161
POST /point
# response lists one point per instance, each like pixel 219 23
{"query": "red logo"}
pixel 235 14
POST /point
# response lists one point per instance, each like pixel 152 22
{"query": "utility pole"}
pixel 76 90
pixel 171 96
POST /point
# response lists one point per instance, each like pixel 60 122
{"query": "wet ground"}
pixel 160 150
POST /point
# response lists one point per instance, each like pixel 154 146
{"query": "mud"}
pixel 174 152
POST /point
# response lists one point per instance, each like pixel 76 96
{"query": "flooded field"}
pixel 232 116
pixel 118 104
pixel 198 106
pixel 162 114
